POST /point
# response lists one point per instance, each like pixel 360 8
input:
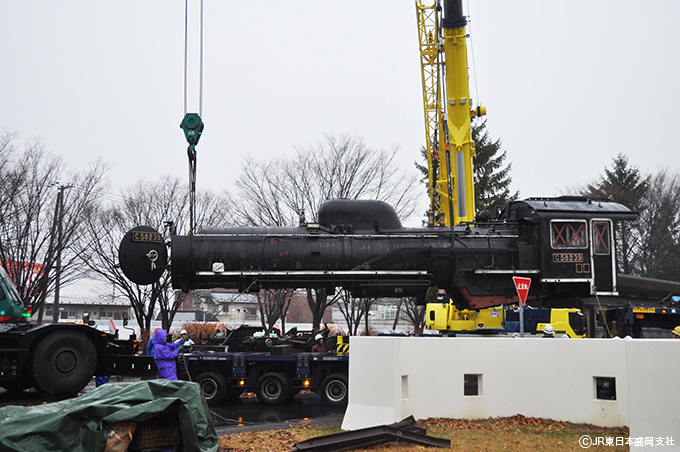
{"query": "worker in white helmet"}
pixel 548 330
pixel 185 338
pixel 318 344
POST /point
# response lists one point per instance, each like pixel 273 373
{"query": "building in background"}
pixel 219 305
pixel 73 307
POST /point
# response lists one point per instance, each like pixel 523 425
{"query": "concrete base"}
pixel 394 377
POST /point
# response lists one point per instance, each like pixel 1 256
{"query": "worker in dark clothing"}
pixel 442 297
pixel 165 354
pixel 318 345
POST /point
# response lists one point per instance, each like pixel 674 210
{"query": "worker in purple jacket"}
pixel 165 354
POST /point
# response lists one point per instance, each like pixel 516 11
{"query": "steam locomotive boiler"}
pixel 565 245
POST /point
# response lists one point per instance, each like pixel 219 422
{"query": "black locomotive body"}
pixel 566 245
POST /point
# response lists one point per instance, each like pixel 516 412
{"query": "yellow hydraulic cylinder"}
pixel 459 150
pixel 448 109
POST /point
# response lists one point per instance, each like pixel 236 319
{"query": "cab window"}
pixel 577 321
pixel 601 238
pixel 7 289
pixel 568 234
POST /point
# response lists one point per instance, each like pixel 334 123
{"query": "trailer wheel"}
pixel 272 389
pixel 334 390
pixel 63 363
pixel 214 387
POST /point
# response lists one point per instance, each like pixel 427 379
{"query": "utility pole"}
pixel 59 215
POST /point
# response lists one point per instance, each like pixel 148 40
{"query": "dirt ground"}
pixel 516 433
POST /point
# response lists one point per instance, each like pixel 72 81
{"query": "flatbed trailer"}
pixel 633 320
pixel 273 377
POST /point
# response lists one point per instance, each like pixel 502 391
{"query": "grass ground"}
pixel 517 433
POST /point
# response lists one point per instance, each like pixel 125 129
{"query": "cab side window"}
pixel 568 234
pixel 601 238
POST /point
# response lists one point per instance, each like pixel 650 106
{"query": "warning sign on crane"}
pixel 522 285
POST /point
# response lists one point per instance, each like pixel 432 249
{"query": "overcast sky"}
pixel 568 85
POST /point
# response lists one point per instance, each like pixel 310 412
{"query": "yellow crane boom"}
pixel 448 110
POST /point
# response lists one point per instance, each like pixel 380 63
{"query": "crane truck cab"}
pixel 59 359
pixel 12 309
pixel 448 319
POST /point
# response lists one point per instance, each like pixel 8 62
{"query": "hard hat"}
pixel 676 331
pixel 548 329
pixel 183 332
pixel 318 337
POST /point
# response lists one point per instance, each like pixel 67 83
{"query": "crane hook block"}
pixel 193 127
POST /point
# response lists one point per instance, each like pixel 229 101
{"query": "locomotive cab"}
pixel 572 241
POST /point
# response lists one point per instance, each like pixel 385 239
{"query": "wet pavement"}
pixel 248 414
pixel 26 398
pixel 245 414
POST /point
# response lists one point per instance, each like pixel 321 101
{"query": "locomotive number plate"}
pixel 567 257
pixel 149 237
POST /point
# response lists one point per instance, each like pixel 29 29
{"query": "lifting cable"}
pixel 472 56
pixel 186 58
pixel 192 123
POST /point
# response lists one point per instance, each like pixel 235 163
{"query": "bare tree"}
pixel 260 201
pixel 354 310
pixel 151 203
pixel 658 252
pixel 368 304
pixel 279 192
pixel 397 316
pixel 318 301
pixel 30 219
pixel 273 305
pixel 415 314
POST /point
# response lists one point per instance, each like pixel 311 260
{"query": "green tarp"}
pixel 82 423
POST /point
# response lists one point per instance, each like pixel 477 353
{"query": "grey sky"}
pixel 568 85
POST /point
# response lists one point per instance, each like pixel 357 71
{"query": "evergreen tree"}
pixel 492 180
pixel 621 183
pixel 624 184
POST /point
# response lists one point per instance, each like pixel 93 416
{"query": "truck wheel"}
pixel 272 388
pixel 214 387
pixel 63 363
pixel 334 390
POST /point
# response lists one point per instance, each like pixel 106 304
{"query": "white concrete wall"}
pixel 392 378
